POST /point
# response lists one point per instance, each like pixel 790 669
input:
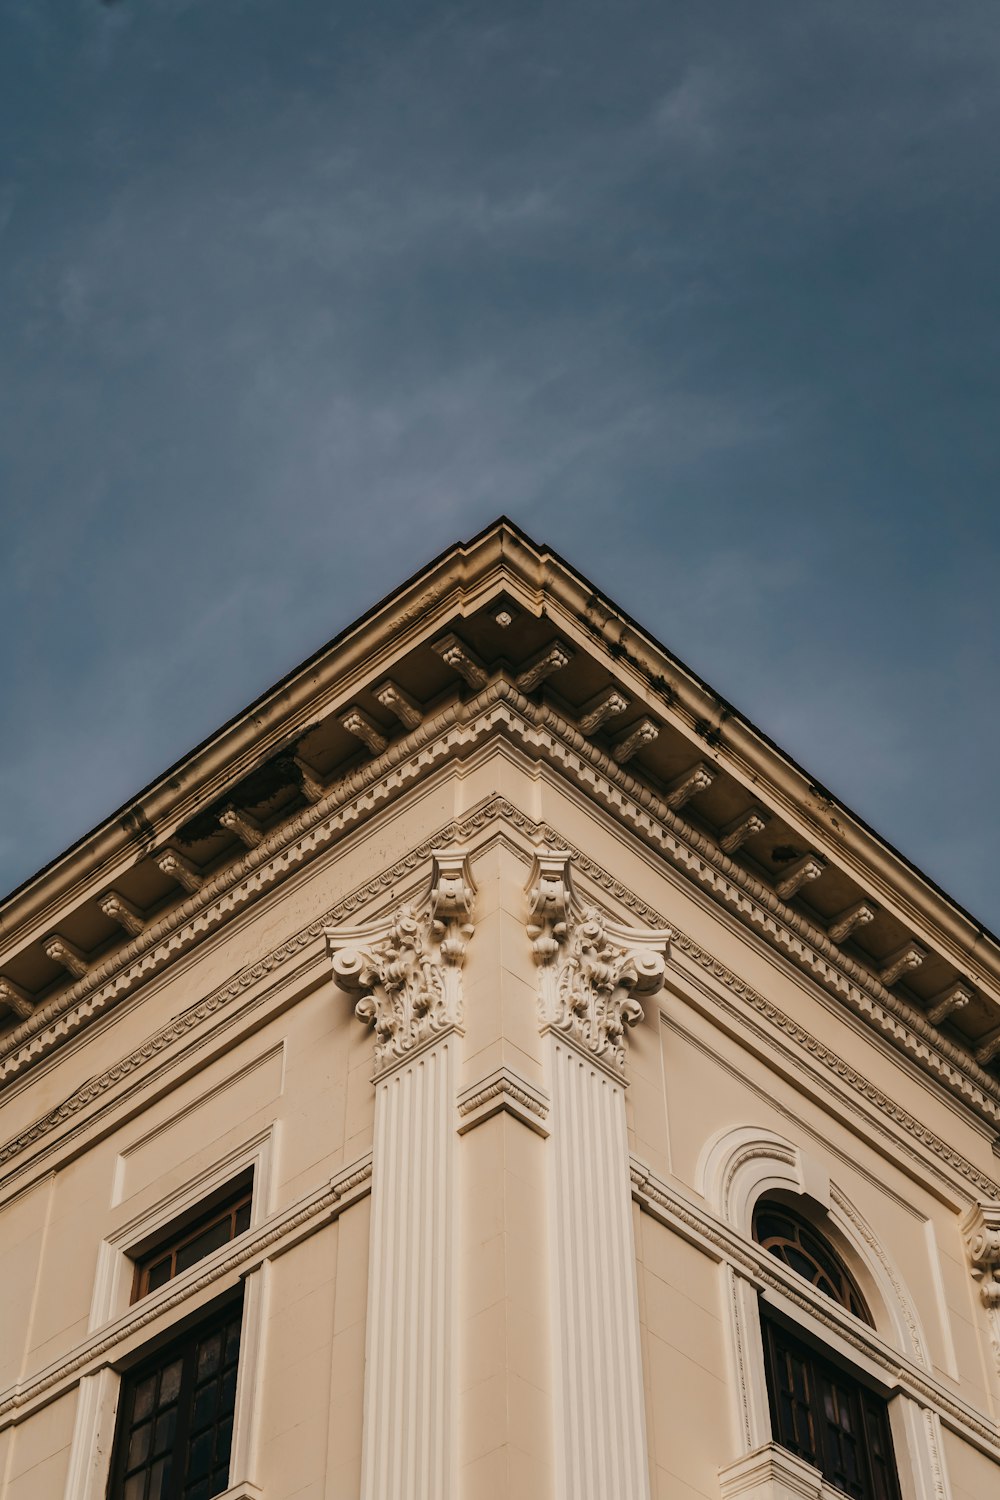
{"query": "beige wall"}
pixel 279 1066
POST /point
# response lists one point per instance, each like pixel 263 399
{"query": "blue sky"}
pixel 294 294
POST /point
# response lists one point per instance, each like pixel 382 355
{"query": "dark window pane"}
pixel 209 1355
pixel 186 1244
pixel 179 1448
pixel 200 1456
pixel 159 1274
pixel 145 1393
pixel 210 1239
pixel 834 1423
pixel 159 1479
pixel 170 1382
pixel 205 1403
pixel 138 1448
pixel 166 1430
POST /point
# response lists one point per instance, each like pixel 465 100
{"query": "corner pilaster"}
pixel 591 972
pixel 405 973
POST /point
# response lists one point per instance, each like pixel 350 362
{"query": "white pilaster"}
pixel 409 1369
pixel 591 972
pixel 406 972
pixel 600 1423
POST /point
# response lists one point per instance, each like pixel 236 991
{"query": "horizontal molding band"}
pixel 274 1237
pixel 493 810
pixel 720 1240
pixel 544 734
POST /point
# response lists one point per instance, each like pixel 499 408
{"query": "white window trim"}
pixel 113 1282
pixel 739 1167
pixel 97 1397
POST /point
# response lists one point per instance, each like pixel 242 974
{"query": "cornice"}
pixel 496 809
pixel 542 733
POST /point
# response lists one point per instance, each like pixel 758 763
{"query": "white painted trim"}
pixel 600 1423
pixel 93 1436
pixel 246 1417
pixel 503 1089
pixel 410 1398
pixel 114 1265
pixel 210 1277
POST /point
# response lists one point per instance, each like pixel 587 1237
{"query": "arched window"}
pixel 819 1410
pixel 793 1240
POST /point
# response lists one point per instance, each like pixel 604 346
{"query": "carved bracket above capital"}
pixel 406 969
pixel 591 969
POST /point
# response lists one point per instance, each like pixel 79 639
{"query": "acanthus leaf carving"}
pixel 982 1238
pixel 406 970
pixel 591 969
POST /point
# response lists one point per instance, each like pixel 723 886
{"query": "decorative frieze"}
pixel 643 733
pixel 809 867
pixel 606 705
pixel 461 660
pixel 364 729
pixel 552 659
pixel 406 970
pixel 123 912
pixel 736 833
pixel 858 915
pixel 503 1090
pixel 406 709
pixel 591 969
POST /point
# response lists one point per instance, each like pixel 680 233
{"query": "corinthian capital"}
pixel 406 969
pixel 982 1238
pixel 591 969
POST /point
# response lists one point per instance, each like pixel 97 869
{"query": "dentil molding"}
pixel 82 1100
pixel 591 969
pixel 406 969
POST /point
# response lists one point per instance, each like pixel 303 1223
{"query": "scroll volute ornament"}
pixel 406 969
pixel 591 969
pixel 982 1238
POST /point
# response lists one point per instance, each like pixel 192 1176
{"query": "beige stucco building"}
pixel 489 1067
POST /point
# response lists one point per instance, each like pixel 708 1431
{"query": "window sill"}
pixel 242 1491
pixel 771 1473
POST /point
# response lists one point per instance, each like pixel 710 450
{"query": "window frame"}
pixel 870 1409
pixel 178 1345
pixel 227 1202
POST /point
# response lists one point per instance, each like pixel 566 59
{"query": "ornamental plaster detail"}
pixel 542 733
pixel 406 969
pixel 492 809
pixel 982 1239
pixel 591 969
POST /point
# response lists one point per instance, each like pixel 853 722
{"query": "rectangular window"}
pixel 190 1239
pixel 175 1416
pixel 828 1418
